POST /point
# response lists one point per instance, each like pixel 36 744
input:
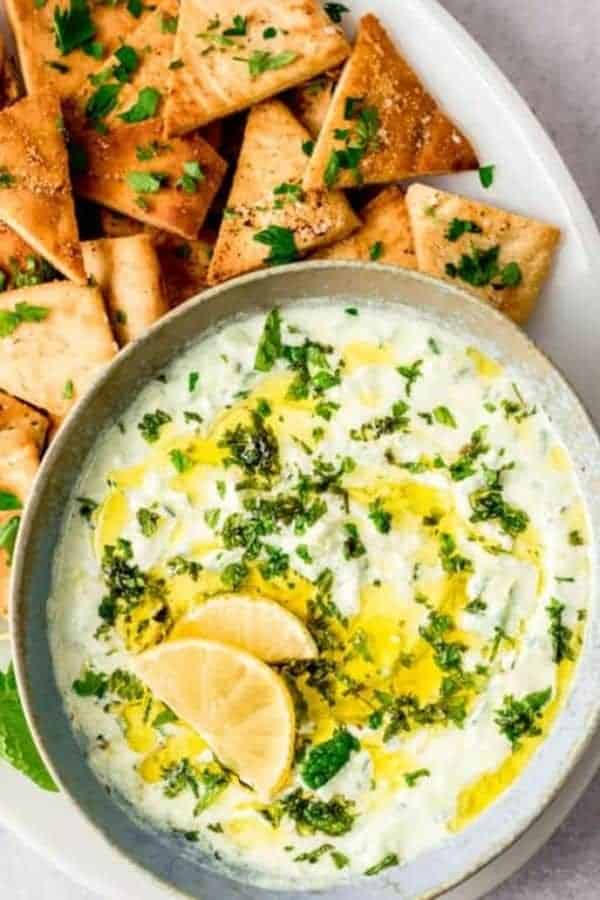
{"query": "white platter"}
pixel 530 178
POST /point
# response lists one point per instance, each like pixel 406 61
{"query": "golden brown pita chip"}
pixel 382 125
pixel 231 54
pixel 142 73
pixel 270 219
pixel 22 437
pixel 18 416
pixel 127 272
pixel 310 101
pixel 183 264
pixel 35 189
pixel 10 89
pixel 469 243
pixel 54 339
pixel 172 190
pixel 42 63
pixel 384 237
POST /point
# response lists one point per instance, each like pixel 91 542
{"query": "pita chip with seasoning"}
pixel 127 271
pixel 498 256
pixel 270 219
pixel 22 438
pixel 36 200
pixel 54 339
pixel 133 171
pixel 232 54
pixel 310 101
pixel 61 41
pixel 382 125
pixel 385 235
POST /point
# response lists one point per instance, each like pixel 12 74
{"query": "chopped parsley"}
pixel 353 546
pixel 452 561
pixel 326 759
pixel 560 635
pixel 146 182
pixel 458 227
pixel 517 719
pixel 381 519
pixel 102 101
pixel 145 106
pixel 87 508
pixel 387 862
pixel 193 379
pixel 576 538
pixel 376 251
pixel 311 815
pixel 361 139
pixel 486 176
pixel 481 268
pixel 270 344
pixel 151 424
pixel 168 24
pixel 335 11
pixel 308 147
pixel 253 448
pixel 8 536
pixel 411 374
pixel 182 462
pixel 261 61
pixel 282 244
pixel 73 26
pixel 9 501
pixel 489 504
pixel 6 179
pixel 22 312
pixel 193 176
pixel 377 428
pixel 148 520
pixel 411 778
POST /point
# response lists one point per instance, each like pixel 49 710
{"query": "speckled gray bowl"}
pixel 162 855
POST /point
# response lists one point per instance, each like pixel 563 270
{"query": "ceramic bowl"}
pixel 167 858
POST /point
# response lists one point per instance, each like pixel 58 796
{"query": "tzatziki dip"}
pixel 390 487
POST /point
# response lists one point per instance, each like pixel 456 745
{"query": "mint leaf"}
pixel 145 106
pixel 16 744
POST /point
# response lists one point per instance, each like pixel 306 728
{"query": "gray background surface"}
pixel 550 49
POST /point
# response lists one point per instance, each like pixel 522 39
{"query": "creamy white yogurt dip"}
pixel 391 486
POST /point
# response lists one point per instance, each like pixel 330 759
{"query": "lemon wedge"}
pixel 240 706
pixel 259 626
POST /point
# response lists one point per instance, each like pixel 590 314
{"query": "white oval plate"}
pixel 531 179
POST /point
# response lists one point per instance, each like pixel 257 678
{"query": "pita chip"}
pixel 54 340
pixel 498 256
pixel 43 63
pixel 183 264
pixel 10 89
pixel 172 190
pixel 22 437
pixel 127 271
pixel 384 237
pixel 310 101
pixel 231 54
pixel 382 125
pixel 35 189
pixel 270 219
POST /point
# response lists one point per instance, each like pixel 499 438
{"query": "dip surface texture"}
pixel 390 486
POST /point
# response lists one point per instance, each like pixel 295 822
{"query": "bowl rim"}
pixel 135 349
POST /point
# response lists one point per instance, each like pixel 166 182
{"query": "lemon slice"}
pixel 262 627
pixel 240 706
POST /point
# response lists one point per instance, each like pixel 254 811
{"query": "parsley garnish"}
pixel 181 461
pixel 560 635
pixel 376 251
pixel 458 227
pixel 264 61
pixel 486 175
pixel 145 106
pixel 353 546
pixel 21 313
pixel 411 374
pixel 146 182
pixel 411 778
pixel 576 538
pixel 282 243
pixel 443 416
pixel 452 561
pixel 73 26
pixel 310 815
pixel 335 11
pixel 308 147
pixel 102 101
pixel 238 29
pixel 325 760
pixel 390 860
pixel 269 346
pixel 518 718
pixel 148 520
pixel 191 178
pixel 8 500
pixel 8 536
pixel 381 519
pixel 151 425
pixel 482 267
pixel 168 24
pixel 193 379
